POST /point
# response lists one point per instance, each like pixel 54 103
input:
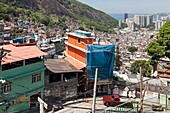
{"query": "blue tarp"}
pixel 18 40
pixel 21 39
pixel 101 57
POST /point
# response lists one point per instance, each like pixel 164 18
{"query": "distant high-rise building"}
pixel 125 17
pixel 157 17
pixel 120 23
pixel 143 20
pixel 132 26
pixel 137 19
pixel 149 20
pixel 161 20
pixel 130 23
pixel 159 24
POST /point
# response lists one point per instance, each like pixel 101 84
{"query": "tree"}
pixel 45 20
pixel 20 11
pixel 164 36
pixel 4 16
pixel 118 63
pixel 10 10
pixel 160 47
pixel 146 67
pixel 132 49
pixel 155 50
pixel 151 26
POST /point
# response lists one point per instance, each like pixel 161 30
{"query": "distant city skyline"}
pixel 130 6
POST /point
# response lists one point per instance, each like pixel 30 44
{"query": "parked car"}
pixel 114 100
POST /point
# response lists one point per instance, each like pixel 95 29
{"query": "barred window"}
pixel 36 77
pixel 6 87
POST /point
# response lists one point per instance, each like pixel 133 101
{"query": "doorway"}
pixel 34 100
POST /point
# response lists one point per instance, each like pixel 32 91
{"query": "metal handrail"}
pixel 124 109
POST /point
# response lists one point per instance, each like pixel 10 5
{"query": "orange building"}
pixel 76 54
pixel 76 46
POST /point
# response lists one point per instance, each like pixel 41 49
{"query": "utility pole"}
pixel 94 92
pixel 141 83
pixel 141 103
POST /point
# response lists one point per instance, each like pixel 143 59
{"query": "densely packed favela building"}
pixel 22 78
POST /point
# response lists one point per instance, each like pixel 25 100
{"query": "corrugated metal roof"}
pixel 60 66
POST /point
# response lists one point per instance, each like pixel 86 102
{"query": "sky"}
pixel 130 6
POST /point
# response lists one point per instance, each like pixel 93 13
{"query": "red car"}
pixel 114 101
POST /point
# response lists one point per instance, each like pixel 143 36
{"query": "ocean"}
pixel 120 16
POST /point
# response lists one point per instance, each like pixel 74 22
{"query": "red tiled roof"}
pixel 75 63
pixel 164 70
pixel 20 53
pixel 164 76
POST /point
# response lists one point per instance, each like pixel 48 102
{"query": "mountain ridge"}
pixel 70 8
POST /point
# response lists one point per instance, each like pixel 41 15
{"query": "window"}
pixel 12 65
pixel 168 83
pixel 32 60
pixel 79 40
pixel 36 77
pixel 54 78
pixel 6 87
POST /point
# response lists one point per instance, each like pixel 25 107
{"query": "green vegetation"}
pixel 159 47
pixel 146 67
pixel 93 18
pixel 151 26
pixel 8 12
pixel 137 26
pixel 56 12
pixel 117 78
pixel 132 49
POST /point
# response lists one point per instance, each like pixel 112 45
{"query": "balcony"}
pixel 22 70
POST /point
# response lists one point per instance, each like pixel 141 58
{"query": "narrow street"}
pixel 82 106
pixel 85 105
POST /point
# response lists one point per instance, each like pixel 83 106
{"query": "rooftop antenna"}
pixel 3 53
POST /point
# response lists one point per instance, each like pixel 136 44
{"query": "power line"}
pixel 7 98
pixel 79 80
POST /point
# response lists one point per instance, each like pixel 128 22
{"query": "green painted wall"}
pixel 22 71
pixel 21 78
